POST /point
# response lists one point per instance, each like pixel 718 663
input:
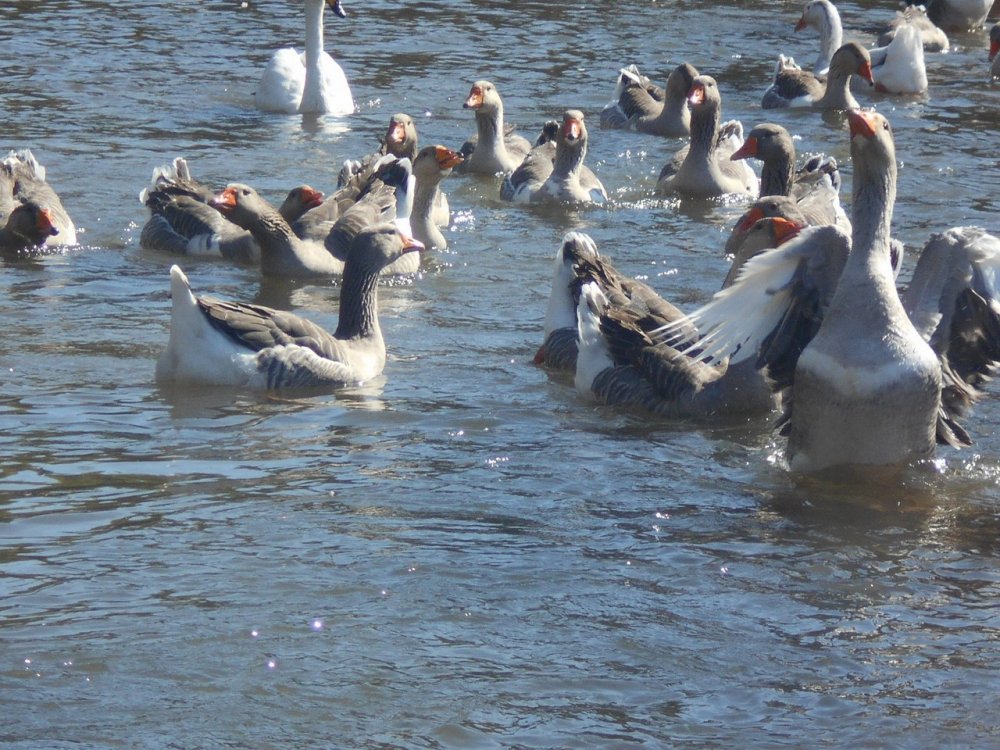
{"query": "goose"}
pixel 898 68
pixel 703 169
pixel 556 173
pixel 309 82
pixel 932 37
pixel 320 254
pixel 815 187
pixel 182 221
pixel 958 15
pixel 794 87
pixel 250 346
pixel 402 141
pixel 431 166
pixel 491 149
pixel 872 379
pixel 23 181
pixel 823 16
pixel 577 260
pixel 647 109
pixel 994 49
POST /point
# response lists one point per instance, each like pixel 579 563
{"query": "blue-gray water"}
pixel 464 553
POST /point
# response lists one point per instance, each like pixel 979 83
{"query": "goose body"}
pixel 556 173
pixel 492 149
pixel 310 81
pixel 958 15
pixel 794 87
pixel 899 67
pixel 704 169
pixel 23 183
pixel 252 346
pixel 993 55
pixel 431 165
pixel 645 108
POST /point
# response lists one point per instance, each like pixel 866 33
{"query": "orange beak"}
pixel 446 158
pixel 748 149
pixel 539 355
pixel 865 71
pixel 751 217
pixel 397 133
pixel 572 129
pixel 226 200
pixel 994 48
pixel 784 229
pixel 862 123
pixel 696 94
pixel 410 244
pixel 475 100
pixel 311 198
pixel 44 223
pixel 801 24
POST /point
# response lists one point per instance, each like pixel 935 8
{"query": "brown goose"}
pixel 251 346
pixel 703 168
pixel 28 227
pixel 635 104
pixel 492 149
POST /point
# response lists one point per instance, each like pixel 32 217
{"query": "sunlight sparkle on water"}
pixel 317 624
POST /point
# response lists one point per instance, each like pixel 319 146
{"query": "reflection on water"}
pixel 463 552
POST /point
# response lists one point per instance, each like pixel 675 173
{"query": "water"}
pixel 463 553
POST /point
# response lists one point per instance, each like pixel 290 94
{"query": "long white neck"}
pixel 831 36
pixel 312 92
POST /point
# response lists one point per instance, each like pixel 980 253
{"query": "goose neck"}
pixel 358 304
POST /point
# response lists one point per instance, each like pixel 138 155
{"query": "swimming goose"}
pixel 182 221
pixel 578 261
pixel 815 188
pixel 898 68
pixel 636 105
pixel 492 149
pixel 308 82
pixel 430 167
pixel 994 49
pixel 823 16
pixel 23 180
pixel 958 15
pixel 557 173
pixel 867 388
pixel 932 37
pixel 251 346
pixel 703 168
pixel 794 87
pixel 619 364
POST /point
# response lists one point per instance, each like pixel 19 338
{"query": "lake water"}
pixel 464 553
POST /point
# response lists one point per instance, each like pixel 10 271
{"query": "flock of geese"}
pixel 809 321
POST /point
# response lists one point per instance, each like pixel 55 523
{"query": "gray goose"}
pixel 252 346
pixel 182 221
pixel 28 228
pixel 794 87
pixel 647 109
pixel 869 378
pixel 492 149
pixel 23 180
pixel 431 166
pixel 554 171
pixel 815 188
pixel 703 168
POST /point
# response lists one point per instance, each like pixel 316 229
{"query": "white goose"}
pixel 898 68
pixel 311 81
pixel 251 346
pixel 882 379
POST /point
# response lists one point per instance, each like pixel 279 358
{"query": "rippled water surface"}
pixel 463 553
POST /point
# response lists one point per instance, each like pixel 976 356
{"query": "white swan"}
pixel 306 82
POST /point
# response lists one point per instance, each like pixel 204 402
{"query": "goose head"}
pixel 401 136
